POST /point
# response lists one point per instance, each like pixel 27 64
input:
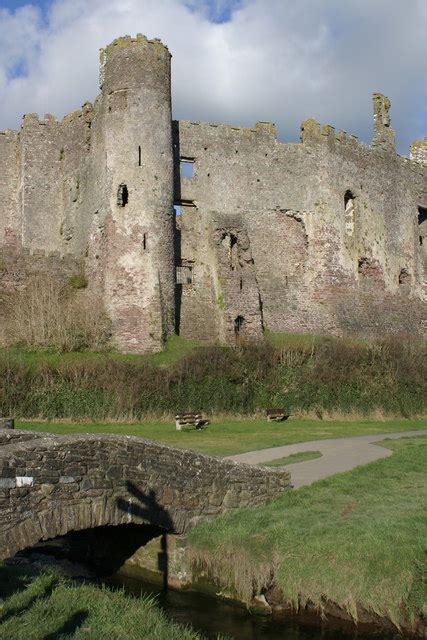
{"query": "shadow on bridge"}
pixel 104 549
pixel 149 509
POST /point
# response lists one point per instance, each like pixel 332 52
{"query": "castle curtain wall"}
pixel 321 236
pixel 318 267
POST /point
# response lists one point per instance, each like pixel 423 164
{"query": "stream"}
pixel 211 616
pixel 208 615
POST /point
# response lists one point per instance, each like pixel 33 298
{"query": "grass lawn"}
pixel 40 605
pixel 235 436
pixel 174 350
pixel 302 456
pixel 355 538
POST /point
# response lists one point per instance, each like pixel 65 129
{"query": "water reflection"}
pixel 212 617
pixel 208 615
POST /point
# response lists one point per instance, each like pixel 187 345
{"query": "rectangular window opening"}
pixel 187 167
pixel 139 156
pixel 184 274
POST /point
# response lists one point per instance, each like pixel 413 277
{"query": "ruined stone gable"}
pixel 325 236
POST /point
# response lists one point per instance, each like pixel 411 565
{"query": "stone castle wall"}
pixel 316 266
pixel 325 236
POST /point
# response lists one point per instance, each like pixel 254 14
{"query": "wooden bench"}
pixel 277 415
pixel 7 423
pixel 190 419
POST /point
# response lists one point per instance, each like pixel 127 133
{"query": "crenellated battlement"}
pixel 30 119
pixel 314 133
pixel 149 51
pixel 126 41
pixel 260 128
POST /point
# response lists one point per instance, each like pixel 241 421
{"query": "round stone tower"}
pixel 139 227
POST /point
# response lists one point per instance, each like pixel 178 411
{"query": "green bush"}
pixel 335 375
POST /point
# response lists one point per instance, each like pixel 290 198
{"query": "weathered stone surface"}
pixel 7 423
pixel 157 485
pixel 321 236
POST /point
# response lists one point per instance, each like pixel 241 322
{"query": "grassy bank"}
pixel 43 606
pixel 226 437
pixel 354 539
pixel 302 374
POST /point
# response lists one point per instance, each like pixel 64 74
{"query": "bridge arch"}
pixel 51 485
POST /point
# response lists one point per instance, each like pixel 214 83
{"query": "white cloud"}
pixel 276 60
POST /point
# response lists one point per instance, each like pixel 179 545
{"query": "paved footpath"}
pixel 338 454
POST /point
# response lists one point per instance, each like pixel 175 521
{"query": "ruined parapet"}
pixel 384 136
pixel 314 133
pixel 139 268
pixel 418 151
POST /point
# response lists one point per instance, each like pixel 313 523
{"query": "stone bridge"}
pixel 51 485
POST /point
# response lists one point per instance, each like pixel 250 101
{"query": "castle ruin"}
pixel 212 231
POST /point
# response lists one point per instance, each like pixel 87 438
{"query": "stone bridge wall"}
pixel 50 485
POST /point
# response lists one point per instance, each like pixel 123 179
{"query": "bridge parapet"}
pixel 12 437
pixel 50 485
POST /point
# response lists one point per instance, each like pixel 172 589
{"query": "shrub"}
pixel 48 314
pixel 335 375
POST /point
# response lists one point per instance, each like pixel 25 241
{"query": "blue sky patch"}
pixel 19 69
pixel 218 11
pixel 12 5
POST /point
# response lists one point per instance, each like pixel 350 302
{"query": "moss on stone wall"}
pixel 79 281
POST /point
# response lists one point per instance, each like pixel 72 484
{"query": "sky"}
pixel 234 61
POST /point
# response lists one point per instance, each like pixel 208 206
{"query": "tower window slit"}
pixel 139 156
pixel 349 212
pixel 122 195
